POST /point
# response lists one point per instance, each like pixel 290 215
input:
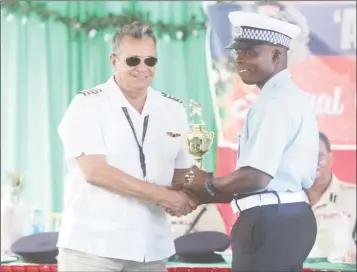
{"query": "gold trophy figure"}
pixel 198 140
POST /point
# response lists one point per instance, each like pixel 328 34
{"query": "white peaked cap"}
pixel 257 27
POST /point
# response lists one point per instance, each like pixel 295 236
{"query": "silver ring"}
pixel 189 177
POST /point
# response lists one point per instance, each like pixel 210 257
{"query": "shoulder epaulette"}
pixel 172 97
pixel 90 92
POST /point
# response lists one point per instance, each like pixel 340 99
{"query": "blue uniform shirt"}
pixel 280 136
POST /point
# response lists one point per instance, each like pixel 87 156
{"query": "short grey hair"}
pixel 136 30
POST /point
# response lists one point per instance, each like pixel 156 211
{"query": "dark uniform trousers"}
pixel 273 237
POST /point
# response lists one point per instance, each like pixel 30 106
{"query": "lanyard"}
pixel 140 147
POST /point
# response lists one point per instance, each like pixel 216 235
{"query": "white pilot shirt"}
pixel 102 223
pixel 280 136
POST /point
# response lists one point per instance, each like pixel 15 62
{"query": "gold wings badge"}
pixel 173 135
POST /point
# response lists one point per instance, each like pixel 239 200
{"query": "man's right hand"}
pixel 177 202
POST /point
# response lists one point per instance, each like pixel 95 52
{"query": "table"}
pixel 183 267
pixel 225 267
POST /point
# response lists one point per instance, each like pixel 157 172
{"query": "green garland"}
pixel 111 21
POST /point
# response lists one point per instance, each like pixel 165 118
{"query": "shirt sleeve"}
pixel 268 128
pixel 80 129
pixel 184 159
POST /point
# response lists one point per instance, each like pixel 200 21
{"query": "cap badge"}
pixel 237 31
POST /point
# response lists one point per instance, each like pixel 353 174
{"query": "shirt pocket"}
pixel 118 137
pixel 162 153
pixel 170 146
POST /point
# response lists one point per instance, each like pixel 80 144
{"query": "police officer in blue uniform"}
pixel 277 155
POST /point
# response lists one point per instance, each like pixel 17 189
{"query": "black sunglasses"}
pixel 135 61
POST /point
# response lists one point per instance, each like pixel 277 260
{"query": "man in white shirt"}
pixel 121 159
pixel 334 204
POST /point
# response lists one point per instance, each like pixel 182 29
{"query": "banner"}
pixel 322 61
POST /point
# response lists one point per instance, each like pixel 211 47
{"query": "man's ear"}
pixel 113 60
pixel 276 55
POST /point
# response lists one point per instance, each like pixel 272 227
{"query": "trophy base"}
pixel 199 163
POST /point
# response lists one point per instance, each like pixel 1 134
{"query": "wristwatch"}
pixel 209 186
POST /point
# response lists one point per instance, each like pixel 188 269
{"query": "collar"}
pixel 331 193
pixel 277 80
pixel 118 99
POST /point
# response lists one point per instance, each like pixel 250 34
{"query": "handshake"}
pixel 186 192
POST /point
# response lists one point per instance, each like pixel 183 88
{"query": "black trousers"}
pixel 273 238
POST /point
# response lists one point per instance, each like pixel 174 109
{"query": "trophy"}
pixel 198 140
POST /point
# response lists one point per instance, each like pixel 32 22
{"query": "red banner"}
pixel 331 85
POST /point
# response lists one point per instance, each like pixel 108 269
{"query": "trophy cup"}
pixel 198 140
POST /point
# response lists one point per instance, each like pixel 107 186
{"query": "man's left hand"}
pixel 196 179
